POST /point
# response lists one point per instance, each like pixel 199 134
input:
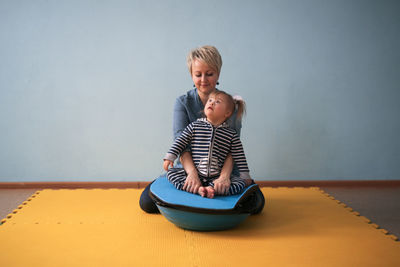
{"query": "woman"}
pixel 204 64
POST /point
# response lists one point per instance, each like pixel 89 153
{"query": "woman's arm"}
pixel 180 119
pixel 192 182
pixel 223 182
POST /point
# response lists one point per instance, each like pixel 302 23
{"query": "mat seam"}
pixel 20 207
pixel 190 243
pixel 356 213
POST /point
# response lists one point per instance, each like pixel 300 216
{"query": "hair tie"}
pixel 237 99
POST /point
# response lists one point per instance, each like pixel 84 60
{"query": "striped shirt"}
pixel 210 146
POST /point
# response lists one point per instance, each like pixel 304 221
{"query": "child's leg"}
pixel 177 176
pixel 237 185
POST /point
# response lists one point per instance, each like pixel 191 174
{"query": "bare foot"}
pixel 210 191
pixel 202 191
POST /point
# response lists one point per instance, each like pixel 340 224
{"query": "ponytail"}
pixel 240 106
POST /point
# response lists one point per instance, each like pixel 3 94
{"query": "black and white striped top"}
pixel 210 146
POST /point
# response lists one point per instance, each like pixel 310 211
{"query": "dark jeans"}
pixel 147 204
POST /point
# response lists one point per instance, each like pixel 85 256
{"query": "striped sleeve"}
pixel 180 143
pixel 239 157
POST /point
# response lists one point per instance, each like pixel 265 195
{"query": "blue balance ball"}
pixel 193 212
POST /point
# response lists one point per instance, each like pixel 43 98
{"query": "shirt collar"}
pixel 222 125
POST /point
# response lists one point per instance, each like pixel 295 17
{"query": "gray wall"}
pixel 87 87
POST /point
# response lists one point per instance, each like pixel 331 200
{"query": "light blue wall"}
pixel 87 87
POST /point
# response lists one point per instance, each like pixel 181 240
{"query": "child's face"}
pixel 217 108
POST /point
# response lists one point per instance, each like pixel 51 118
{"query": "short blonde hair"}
pixel 208 54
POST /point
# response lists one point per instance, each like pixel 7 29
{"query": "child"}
pixel 211 141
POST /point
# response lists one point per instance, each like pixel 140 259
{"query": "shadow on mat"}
pixel 282 217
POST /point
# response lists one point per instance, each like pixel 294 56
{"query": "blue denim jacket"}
pixel 189 108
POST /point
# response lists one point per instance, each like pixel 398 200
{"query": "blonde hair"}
pixel 234 103
pixel 208 54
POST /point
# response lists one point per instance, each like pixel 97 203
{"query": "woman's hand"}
pixel 192 183
pixel 221 185
pixel 168 163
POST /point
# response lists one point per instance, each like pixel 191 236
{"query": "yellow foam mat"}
pixel 298 227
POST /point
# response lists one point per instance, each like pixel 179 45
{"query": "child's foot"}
pixel 202 191
pixel 210 191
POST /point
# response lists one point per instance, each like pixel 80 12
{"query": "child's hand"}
pixel 168 163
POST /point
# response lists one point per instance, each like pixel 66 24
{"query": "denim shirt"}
pixel 188 108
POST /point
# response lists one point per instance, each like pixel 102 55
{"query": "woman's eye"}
pixel 210 74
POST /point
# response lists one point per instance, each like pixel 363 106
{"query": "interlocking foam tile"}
pixel 298 227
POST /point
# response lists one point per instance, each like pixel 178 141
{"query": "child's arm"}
pixel 177 147
pixel 192 182
pixel 240 158
pixel 180 144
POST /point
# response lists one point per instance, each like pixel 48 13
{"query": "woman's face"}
pixel 204 77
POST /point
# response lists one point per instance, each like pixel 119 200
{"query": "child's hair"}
pixel 236 102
